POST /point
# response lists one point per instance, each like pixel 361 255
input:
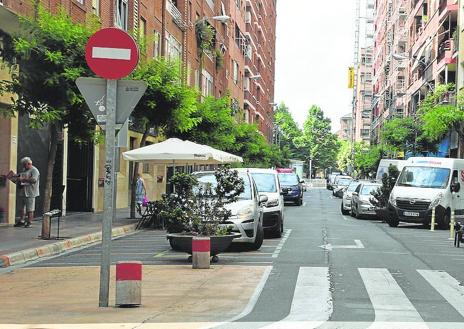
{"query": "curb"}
pixel 24 256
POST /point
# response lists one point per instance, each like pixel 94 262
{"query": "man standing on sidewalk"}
pixel 28 189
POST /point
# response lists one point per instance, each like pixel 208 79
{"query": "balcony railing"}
pixel 176 15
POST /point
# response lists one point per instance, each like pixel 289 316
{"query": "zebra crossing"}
pixel 313 301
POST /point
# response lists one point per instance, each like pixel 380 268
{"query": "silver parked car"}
pixel 341 182
pixel 247 211
pixel 347 194
pixel 361 199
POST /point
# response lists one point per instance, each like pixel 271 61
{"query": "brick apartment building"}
pixel 244 35
pixel 415 49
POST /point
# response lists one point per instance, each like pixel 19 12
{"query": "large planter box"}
pixel 183 242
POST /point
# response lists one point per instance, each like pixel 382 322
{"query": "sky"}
pixel 315 47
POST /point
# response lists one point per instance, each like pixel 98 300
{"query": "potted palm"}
pixel 199 209
pixel 382 194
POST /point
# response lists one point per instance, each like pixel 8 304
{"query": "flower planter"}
pixel 183 242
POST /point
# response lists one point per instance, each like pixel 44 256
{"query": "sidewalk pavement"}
pixel 19 245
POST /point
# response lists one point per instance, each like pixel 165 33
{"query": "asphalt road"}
pixel 330 271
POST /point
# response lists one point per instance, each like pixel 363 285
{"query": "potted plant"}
pixel 382 194
pixel 199 209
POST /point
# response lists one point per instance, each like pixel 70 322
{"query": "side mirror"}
pixel 355 194
pixel 455 187
pixel 284 191
pixel 263 199
pixel 302 181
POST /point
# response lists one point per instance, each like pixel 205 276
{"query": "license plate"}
pixel 411 214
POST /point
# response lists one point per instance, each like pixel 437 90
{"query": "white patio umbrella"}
pixel 177 151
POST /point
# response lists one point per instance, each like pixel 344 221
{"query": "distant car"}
pixel 347 194
pixel 267 182
pixel 247 211
pixel 292 187
pixel 340 184
pixel 331 180
pixel 361 199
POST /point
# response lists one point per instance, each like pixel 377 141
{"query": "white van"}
pixel 385 163
pixel 424 184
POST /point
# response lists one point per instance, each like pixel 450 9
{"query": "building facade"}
pixel 241 65
pixel 346 128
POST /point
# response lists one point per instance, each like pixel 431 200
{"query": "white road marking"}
pixel 358 245
pixel 345 218
pixel 304 204
pixel 387 298
pixel 111 53
pixel 281 244
pixel 447 286
pixel 312 299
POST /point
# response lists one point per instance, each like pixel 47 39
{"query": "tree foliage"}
pixel 317 141
pixel 367 159
pixel 289 132
pixel 50 56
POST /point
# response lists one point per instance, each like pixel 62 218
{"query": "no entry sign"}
pixel 111 53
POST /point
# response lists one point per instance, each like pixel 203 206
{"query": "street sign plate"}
pixel 111 53
pixel 129 93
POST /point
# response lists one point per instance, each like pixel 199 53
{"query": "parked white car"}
pixel 361 199
pixel 267 182
pixel 347 194
pixel 247 211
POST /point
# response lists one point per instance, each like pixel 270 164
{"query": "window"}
pixel 156 44
pixel 142 29
pixel 207 84
pixel 146 166
pixel 122 9
pixel 95 7
pixel 79 1
pixel 246 83
pixel 210 3
pixel 174 48
pixel 235 71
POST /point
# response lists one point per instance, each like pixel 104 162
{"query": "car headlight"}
pixel 272 203
pixel 392 199
pixel 245 213
pixel 436 201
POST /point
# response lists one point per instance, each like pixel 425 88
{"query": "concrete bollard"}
pixel 201 247
pixel 128 283
pixel 46 222
pixel 452 223
pixel 432 222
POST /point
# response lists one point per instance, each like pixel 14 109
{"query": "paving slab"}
pixel 170 294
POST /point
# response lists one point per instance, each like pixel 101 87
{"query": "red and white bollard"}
pixel 128 283
pixel 201 247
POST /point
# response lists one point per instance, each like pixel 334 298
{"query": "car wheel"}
pixel 444 221
pixel 259 237
pixel 356 213
pixel 278 231
pixel 344 212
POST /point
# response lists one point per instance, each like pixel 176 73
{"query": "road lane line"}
pixel 312 299
pixel 387 298
pixel 447 286
pixel 281 244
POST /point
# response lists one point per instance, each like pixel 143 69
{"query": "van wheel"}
pixel 259 237
pixel 444 222
pixel 392 222
pixel 278 231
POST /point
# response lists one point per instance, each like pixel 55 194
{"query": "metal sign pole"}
pixel 110 141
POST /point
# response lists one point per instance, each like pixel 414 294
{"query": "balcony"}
pixel 445 51
pixel 176 15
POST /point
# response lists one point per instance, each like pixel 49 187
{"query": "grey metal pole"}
pixel 110 141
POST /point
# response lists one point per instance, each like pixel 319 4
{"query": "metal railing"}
pixel 176 15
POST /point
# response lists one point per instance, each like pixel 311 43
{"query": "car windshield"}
pixel 209 178
pixel 425 177
pixel 367 189
pixel 265 182
pixel 352 187
pixel 288 179
pixel 344 181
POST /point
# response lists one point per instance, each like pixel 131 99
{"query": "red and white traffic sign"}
pixel 111 53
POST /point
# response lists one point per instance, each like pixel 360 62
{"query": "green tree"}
pixel 216 124
pixel 366 160
pixel 167 105
pixel 50 56
pixel 289 131
pixel 439 117
pixel 317 141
